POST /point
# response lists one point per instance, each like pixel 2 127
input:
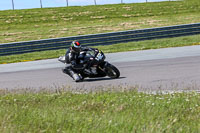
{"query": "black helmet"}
pixel 76 46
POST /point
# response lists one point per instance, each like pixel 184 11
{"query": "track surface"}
pixel 163 69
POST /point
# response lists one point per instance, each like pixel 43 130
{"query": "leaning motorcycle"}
pixel 94 65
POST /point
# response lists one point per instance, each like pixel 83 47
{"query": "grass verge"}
pixel 127 111
pixel 131 46
pixel 36 24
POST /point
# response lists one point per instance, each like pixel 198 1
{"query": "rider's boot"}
pixel 75 76
pixel 71 73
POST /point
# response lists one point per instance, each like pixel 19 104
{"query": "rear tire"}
pixel 112 71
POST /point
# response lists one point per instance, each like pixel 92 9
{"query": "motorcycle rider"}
pixel 75 56
pixel 87 62
pixel 72 56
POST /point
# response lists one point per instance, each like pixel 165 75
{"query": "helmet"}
pixel 76 46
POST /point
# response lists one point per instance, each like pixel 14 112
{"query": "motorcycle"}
pixel 94 65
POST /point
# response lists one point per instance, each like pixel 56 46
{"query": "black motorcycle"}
pixel 94 65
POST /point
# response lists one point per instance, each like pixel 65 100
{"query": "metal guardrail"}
pixel 100 39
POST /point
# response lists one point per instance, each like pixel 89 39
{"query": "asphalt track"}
pixel 150 70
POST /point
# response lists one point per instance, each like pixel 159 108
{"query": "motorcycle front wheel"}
pixel 112 71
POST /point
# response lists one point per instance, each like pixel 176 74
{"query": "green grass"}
pixel 35 24
pixel 131 46
pixel 152 44
pixel 127 111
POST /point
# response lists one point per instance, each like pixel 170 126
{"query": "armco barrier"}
pixel 100 39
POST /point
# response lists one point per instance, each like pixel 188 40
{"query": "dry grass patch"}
pixel 10 39
pixel 128 25
pixel 109 9
pixel 85 13
pixel 128 8
pixel 98 17
pixel 153 22
pixel 127 15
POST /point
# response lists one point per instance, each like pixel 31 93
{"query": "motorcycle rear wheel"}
pixel 112 71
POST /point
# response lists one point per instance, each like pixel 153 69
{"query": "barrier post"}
pixel 41 3
pixel 67 3
pixel 13 6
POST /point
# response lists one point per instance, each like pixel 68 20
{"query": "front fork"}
pixel 103 66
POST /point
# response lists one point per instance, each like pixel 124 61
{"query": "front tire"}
pixel 112 71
